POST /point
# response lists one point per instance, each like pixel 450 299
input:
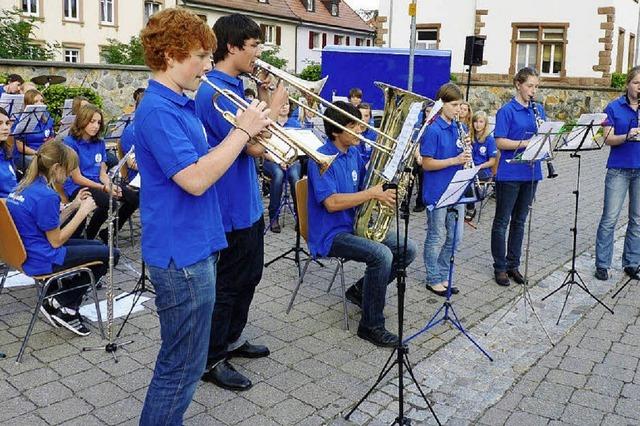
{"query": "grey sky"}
pixel 363 4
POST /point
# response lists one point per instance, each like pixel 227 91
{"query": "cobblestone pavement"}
pixel 317 370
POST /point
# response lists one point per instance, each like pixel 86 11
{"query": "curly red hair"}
pixel 174 33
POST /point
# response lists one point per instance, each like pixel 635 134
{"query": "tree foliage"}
pixel 270 56
pixel 618 80
pixel 130 53
pixel 16 35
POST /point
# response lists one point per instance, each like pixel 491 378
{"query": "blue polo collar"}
pixel 234 81
pixel 163 91
pixel 443 123
pixel 517 105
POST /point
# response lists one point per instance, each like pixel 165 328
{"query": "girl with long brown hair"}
pixel 26 145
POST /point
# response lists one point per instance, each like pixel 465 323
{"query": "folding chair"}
pixel 13 254
pixel 302 193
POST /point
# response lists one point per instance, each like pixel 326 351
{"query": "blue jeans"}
pixel 438 243
pixel 277 176
pixel 616 185
pixel 380 271
pixel 184 300
pixel 512 207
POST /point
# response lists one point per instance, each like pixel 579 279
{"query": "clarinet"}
pixel 551 171
pixel 467 147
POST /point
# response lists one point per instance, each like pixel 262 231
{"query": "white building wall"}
pixel 308 56
pixel 627 15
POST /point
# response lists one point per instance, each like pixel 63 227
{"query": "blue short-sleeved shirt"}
pixel 238 191
pixel 91 155
pixel 365 149
pixel 623 118
pixel 127 141
pixel 176 225
pixel 516 122
pixel 36 210
pixel 344 176
pixel 42 132
pixel 482 152
pixel 7 174
pixel 440 141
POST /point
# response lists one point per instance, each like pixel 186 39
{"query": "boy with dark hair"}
pixel 355 96
pixel 12 87
pixel 240 264
pixel 333 199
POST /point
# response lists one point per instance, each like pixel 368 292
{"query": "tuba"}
pixel 404 120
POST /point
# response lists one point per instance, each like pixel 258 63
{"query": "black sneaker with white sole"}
pixel 48 311
pixel 71 322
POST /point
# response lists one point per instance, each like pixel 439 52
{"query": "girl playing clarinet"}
pixel 484 153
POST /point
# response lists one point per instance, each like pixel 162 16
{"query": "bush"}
pixel 453 78
pixel 117 52
pixel 618 80
pixel 55 95
pixel 271 57
pixel 312 72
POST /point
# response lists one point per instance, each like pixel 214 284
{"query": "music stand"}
pixel 65 126
pixel 116 126
pixel 452 197
pixel 581 138
pixel 538 150
pixel 67 108
pixel 12 103
pixel 26 123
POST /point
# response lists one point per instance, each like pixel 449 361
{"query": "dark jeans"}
pixel 128 204
pixel 81 251
pixel 185 299
pixel 277 175
pixel 239 272
pixel 381 269
pixel 512 206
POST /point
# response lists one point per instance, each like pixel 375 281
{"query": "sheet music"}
pixel 29 119
pixel 307 136
pixel 456 187
pixel 135 182
pixel 65 125
pixel 67 107
pixel 12 103
pixel 403 139
pixel 571 141
pixel 534 151
pixel 116 127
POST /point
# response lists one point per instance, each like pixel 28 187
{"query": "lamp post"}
pixel 412 44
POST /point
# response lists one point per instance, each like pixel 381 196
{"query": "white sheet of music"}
pixel 546 132
pixel 12 103
pixel 307 136
pixel 29 118
pixel 67 107
pixel 572 140
pixel 403 140
pixel 135 182
pixel 456 187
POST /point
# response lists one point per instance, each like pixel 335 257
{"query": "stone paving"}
pixel 317 370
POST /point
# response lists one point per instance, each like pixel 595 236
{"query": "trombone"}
pixel 282 155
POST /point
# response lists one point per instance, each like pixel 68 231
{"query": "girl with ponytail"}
pixel 36 210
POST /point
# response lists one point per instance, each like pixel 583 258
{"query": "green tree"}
pixel 130 53
pixel 312 72
pixel 270 56
pixel 17 34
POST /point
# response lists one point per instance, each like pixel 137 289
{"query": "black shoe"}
pixel 419 208
pixel 632 272
pixel 602 274
pixel 515 275
pixel 502 279
pixel 275 228
pixel 470 215
pixel 49 311
pixel 354 295
pixel 71 322
pixel 247 350
pixel 378 336
pixel 225 376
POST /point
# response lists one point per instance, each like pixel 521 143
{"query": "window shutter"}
pixel 348 40
pixel 263 31
pixel 278 34
pixel 335 39
pixel 368 42
pixel 311 39
pixel 324 39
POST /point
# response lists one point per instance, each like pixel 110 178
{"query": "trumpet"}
pixel 281 154
pixel 551 171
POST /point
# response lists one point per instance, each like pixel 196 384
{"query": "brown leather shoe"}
pixel 502 279
pixel 515 275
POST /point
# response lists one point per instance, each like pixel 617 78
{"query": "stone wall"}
pixel 114 83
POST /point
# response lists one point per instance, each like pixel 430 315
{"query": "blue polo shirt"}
pixel 623 118
pixel 344 176
pixel 516 122
pixel 91 155
pixel 127 141
pixel 176 226
pixel 7 174
pixel 238 191
pixel 292 123
pixel 35 211
pixel 42 132
pixel 365 149
pixel 440 141
pixel 481 152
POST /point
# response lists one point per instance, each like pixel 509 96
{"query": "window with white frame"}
pixel 315 40
pixel 30 7
pixel 334 9
pixel 71 10
pixel 150 7
pixel 269 34
pixel 427 39
pixel 541 47
pixel 310 5
pixel 107 12
pixel 71 55
pixel 338 40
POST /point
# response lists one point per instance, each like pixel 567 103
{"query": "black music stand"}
pixel 452 197
pixel 585 129
pixel 12 103
pixel 26 123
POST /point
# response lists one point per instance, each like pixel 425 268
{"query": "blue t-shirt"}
pixel 42 132
pixel 344 176
pixel 91 155
pixel 365 149
pixel 127 141
pixel 481 152
pixel 35 211
pixel 7 174
pixel 440 141
pixel 292 123
pixel 176 226
pixel 238 190
pixel 623 118
pixel 516 122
